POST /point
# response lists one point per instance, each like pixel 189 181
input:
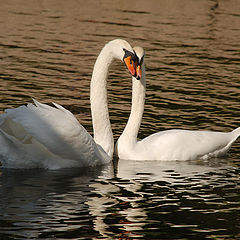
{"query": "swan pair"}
pixel 41 136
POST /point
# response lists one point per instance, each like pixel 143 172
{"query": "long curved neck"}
pixel 99 104
pixel 129 135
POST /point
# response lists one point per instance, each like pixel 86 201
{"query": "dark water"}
pixel 47 51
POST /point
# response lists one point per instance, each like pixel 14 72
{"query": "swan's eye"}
pixel 130 54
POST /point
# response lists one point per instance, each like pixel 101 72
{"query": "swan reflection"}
pixel 48 202
pixel 100 203
pixel 164 186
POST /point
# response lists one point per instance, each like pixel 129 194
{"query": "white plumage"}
pixel 41 136
pixel 171 144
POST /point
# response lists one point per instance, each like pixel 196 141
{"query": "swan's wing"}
pixel 187 145
pixel 57 129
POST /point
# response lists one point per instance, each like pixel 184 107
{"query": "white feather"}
pixel 171 144
pixel 51 137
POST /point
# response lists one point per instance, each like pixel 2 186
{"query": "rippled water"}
pixel 47 51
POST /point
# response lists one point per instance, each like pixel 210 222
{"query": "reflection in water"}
pixel 47 51
pixel 52 202
pixel 181 197
pixel 141 201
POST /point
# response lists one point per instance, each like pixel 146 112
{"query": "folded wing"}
pixel 57 130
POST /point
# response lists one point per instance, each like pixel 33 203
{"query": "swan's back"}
pixel 54 134
pixel 187 145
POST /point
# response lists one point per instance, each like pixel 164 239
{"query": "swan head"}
pixel 122 50
pixel 139 53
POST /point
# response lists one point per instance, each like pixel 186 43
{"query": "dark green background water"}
pixel 47 51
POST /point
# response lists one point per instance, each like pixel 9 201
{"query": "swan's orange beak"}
pixel 131 65
pixel 138 72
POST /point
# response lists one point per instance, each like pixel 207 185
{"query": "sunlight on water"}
pixel 47 51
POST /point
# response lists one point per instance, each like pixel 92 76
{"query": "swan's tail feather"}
pixel 236 133
pixel 61 108
pixel 39 105
pixel 47 107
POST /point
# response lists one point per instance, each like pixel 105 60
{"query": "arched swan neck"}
pixel 99 104
pixel 129 135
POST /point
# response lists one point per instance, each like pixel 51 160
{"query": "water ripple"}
pixel 48 50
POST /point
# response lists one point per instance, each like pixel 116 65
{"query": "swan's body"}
pixel 41 136
pixel 171 144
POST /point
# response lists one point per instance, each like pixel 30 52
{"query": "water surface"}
pixel 47 51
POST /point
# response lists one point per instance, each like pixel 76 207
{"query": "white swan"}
pixel 41 136
pixel 171 144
